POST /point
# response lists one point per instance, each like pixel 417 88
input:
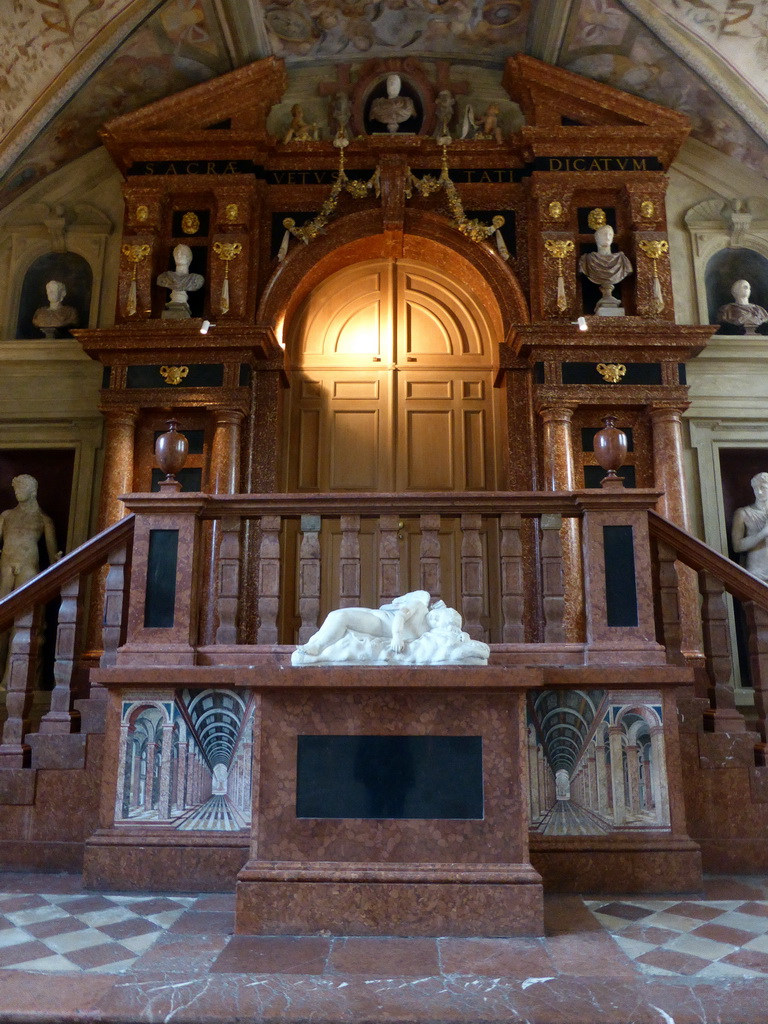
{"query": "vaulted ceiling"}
pixel 70 65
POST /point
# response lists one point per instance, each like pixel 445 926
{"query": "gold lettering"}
pixel 230 168
pixel 555 164
pixel 149 168
pixel 485 176
pixel 639 165
pixel 319 177
pixel 210 167
pixel 291 178
pixel 192 167
pixel 622 162
pixel 171 169
pixel 578 164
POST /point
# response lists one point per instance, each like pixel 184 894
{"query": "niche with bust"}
pixel 55 296
pixel 394 106
pixel 737 291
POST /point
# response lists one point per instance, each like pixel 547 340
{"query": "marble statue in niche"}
pixel 742 316
pixel 341 112
pixel 180 281
pixel 749 530
pixel 393 109
pixel 21 527
pixel 485 128
pixel 606 268
pixel 444 105
pixel 51 318
pixel 405 632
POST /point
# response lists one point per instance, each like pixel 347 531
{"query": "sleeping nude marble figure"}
pixel 405 632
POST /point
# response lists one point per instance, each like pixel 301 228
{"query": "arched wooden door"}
pixel 391 384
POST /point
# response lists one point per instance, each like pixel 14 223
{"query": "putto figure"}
pixel 405 632
pixel 742 316
pixel 55 315
pixel 606 268
pixel 749 531
pixel 180 281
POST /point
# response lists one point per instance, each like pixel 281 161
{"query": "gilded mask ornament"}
pixel 190 223
pixel 648 210
pixel 231 213
pixel 596 218
pixel 555 210
pixel 142 213
pixel 611 372
pixel 173 374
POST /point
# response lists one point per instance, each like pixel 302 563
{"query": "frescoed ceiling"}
pixel 70 65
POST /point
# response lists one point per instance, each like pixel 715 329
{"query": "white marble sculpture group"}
pixel 408 631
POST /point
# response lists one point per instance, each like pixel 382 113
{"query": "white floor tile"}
pixel 71 941
pixel 13 936
pixel 141 943
pixel 47 913
pixel 706 948
pixel 48 963
pixel 721 970
pixel 98 918
pixel 633 947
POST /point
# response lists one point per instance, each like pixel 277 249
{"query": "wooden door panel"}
pixel 438 322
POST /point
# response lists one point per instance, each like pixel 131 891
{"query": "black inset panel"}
pixel 191 479
pixel 178 216
pixel 160 598
pixel 389 777
pixel 620 583
pixel 586 373
pixel 201 375
pixel 594 475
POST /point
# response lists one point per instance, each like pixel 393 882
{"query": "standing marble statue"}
pixel 21 528
pixel 180 281
pixel 51 318
pixel 606 268
pixel 405 632
pixel 742 316
pixel 749 531
pixel 393 108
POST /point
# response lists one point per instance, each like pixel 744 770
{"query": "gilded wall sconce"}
pixel 135 254
pixel 558 249
pixel 654 250
pixel 226 251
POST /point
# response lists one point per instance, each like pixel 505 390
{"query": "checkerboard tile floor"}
pixel 707 938
pixel 89 932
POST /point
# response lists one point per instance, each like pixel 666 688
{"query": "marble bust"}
pixel 742 316
pixel 393 108
pixel 749 531
pixel 55 315
pixel 605 269
pixel 408 631
pixel 180 281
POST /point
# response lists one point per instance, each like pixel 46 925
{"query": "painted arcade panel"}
pixel 596 762
pixel 185 760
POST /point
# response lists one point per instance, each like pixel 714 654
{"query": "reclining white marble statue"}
pixel 405 632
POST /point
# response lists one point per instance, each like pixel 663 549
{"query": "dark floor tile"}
pixel 182 954
pixel 756 909
pixel 99 956
pixel 385 957
pixel 627 911
pixel 672 960
pixel 273 954
pixel 88 904
pixel 687 908
pixel 723 933
pixel 25 902
pixel 752 959
pixel 223 901
pixel 22 952
pixel 129 929
pixel 507 958
pixel 59 926
pixel 156 905
pixel 204 922
pixel 650 933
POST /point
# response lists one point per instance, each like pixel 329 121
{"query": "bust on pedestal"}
pixel 393 108
pixel 55 315
pixel 742 316
pixel 605 269
pixel 180 281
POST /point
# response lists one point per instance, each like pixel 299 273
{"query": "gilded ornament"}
pixel 611 372
pixel 173 374
pixel 142 213
pixel 648 210
pixel 134 253
pixel 596 218
pixel 654 249
pixel 231 213
pixel 558 249
pixel 226 251
pixel 190 223
pixel 555 210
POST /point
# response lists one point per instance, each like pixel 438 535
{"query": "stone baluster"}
pixel 349 562
pixel 429 555
pixel 19 680
pixel 115 601
pixel 472 576
pixel 269 580
pixel 229 580
pixel 722 715
pixel 389 557
pixel 512 589
pixel 668 603
pixel 553 591
pixel 757 627
pixel 59 717
pixel 309 577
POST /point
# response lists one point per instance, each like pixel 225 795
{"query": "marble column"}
pixel 602 779
pixel 559 475
pixel 149 777
pixel 667 427
pixel 633 777
pixel 165 794
pixel 533 775
pixel 659 786
pixel 615 734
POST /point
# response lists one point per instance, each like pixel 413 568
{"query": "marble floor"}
pixel 69 955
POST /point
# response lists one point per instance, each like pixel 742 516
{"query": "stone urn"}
pixel 171 451
pixel 610 448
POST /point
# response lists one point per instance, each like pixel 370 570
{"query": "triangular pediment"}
pixel 232 106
